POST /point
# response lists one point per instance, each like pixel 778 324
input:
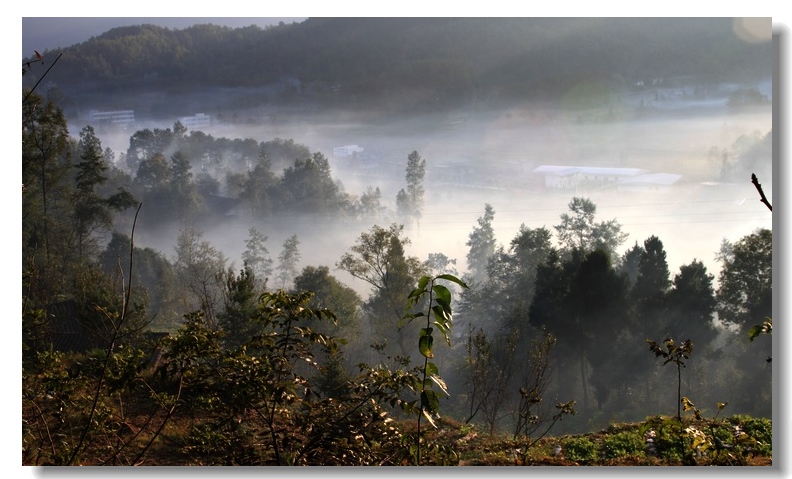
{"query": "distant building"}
pixel 198 120
pixel 346 151
pixel 117 118
pixel 558 176
pixel 623 179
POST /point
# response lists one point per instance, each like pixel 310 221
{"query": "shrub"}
pixel 626 443
pixel 579 449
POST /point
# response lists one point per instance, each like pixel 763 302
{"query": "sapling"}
pixel 438 308
pixel 674 354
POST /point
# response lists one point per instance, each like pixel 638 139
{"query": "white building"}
pixel 558 176
pixel 119 117
pixel 623 179
pixel 346 151
pixel 196 121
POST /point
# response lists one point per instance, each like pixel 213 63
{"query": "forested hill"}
pixel 456 59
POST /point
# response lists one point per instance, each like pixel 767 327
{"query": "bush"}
pixel 579 449
pixel 626 443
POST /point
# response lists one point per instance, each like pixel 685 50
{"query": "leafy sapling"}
pixel 438 316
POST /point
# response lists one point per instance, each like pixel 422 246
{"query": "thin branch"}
pixel 42 77
pixel 109 354
pixel 758 186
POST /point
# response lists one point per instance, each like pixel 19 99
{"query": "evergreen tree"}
pixel 256 255
pixel 240 306
pixel 91 211
pixel 288 260
pixel 481 242
pixel 46 187
pixel 415 172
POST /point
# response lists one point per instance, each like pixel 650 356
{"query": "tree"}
pixel 153 173
pixel 582 301
pixel 482 245
pixel 649 293
pixel 260 181
pixel 202 268
pixel 185 202
pixel 288 260
pixel 413 196
pixel 330 293
pixel 578 230
pixel 154 279
pixel 257 256
pixel 745 294
pixel 308 187
pixel 379 259
pixel 146 143
pixel 371 204
pixel 240 297
pixel 91 211
pixel 692 304
pixel 46 184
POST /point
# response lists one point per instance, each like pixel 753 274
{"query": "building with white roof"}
pixel 570 177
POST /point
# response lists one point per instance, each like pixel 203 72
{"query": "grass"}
pixel 618 445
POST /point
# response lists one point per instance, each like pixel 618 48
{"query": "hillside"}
pixel 357 61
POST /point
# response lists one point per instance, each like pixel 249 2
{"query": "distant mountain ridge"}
pixel 450 60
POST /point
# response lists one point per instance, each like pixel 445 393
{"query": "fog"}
pixel 478 156
pixel 686 151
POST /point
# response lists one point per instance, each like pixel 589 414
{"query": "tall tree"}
pixel 745 294
pixel 308 187
pixel 260 181
pixel 202 268
pixel 185 201
pixel 578 230
pixel 414 174
pixel 650 291
pixel 239 307
pixel 745 298
pixel 692 304
pixel 582 301
pixel 379 259
pixel 288 260
pixel 481 242
pixel 153 173
pixel 46 181
pixel 91 211
pixel 370 206
pixel 332 294
pixel 257 256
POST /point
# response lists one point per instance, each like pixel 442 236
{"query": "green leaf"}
pixel 430 401
pixel 425 346
pixel 407 319
pixel 442 295
pixel 453 279
pixel 444 330
pixel 425 332
pixel 440 314
pixel 423 282
pixel 431 369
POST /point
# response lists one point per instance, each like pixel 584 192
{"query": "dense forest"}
pixel 134 356
pixel 407 64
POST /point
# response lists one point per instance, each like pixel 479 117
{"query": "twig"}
pixel 108 355
pixel 763 199
pixel 42 77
